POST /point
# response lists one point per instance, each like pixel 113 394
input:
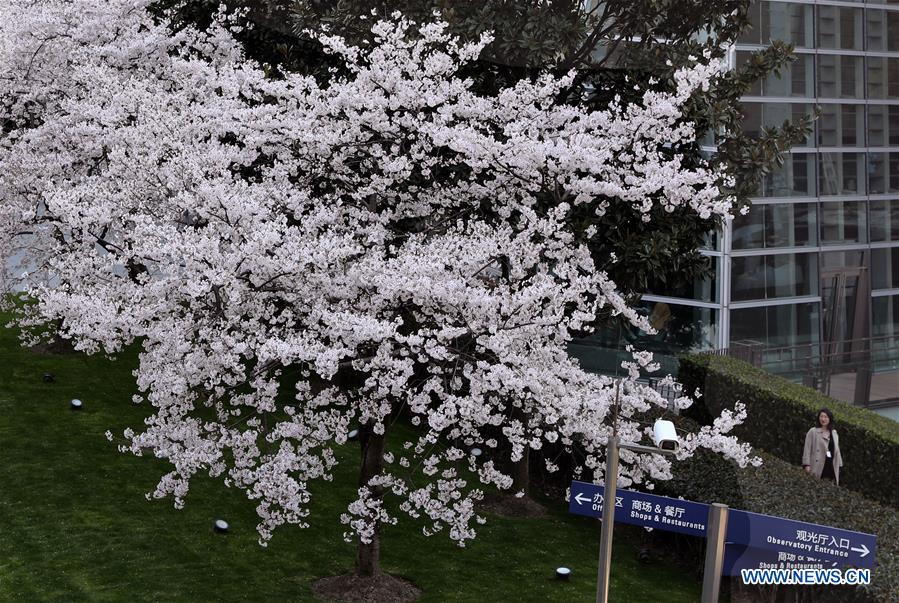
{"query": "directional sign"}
pixel 739 557
pixel 808 539
pixel 641 509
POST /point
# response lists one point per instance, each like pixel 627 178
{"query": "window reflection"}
pixel 841 125
pixel 882 30
pixel 776 326
pixel 796 178
pixel 793 23
pixel 701 289
pixel 883 125
pixel 757 116
pixel 843 222
pixel 775 225
pixel 840 76
pixel 773 276
pixel 884 220
pixel 885 268
pixel 842 173
pixel 679 328
pixel 885 316
pixel 883 78
pixel 840 27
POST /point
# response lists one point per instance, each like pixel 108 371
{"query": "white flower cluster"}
pixel 295 258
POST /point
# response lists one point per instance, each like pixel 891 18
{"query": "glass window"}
pixel 883 77
pixel 885 316
pixel 842 259
pixel 793 23
pixel 752 33
pixel 679 328
pixel 885 268
pixel 776 225
pixel 840 76
pixel 841 126
pixel 743 57
pixel 757 116
pixel 795 79
pixel 776 326
pixel 773 276
pixel 841 174
pixel 883 29
pixel 884 220
pixel 883 125
pixel 840 27
pixel 843 222
pixel 702 289
pixel 796 178
pixel 883 172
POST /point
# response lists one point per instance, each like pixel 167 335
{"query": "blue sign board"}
pixel 752 538
pixel 641 509
pixel 739 557
pixel 807 539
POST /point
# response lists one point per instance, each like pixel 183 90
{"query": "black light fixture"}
pixel 220 526
pixel 49 378
pixel 563 573
pixel 76 404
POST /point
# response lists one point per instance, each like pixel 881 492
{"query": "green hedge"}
pixel 781 412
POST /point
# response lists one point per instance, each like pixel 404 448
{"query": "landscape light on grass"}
pixel 476 452
pixel 49 378
pixel 75 404
pixel 562 573
pixel 221 526
pixel 353 434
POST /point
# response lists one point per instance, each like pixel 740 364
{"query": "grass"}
pixel 75 525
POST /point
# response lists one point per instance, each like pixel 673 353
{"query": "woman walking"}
pixel 821 455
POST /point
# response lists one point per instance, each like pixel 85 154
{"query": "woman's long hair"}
pixel 829 414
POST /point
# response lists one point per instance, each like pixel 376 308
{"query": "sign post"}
pixel 608 523
pixel 714 552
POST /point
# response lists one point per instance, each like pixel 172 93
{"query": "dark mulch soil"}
pixel 56 347
pixel 508 505
pixel 382 588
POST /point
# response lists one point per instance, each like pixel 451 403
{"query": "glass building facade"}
pixel 816 259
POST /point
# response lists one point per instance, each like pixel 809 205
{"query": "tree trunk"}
pixel 368 556
pixel 521 470
pixel 521 473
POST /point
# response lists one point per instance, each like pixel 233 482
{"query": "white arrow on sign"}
pixel 864 550
pixel 581 501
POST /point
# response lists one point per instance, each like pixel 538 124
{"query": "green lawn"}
pixel 75 525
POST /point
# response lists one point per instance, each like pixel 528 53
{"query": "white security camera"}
pixel 664 435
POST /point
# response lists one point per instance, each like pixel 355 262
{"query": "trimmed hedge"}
pixel 781 412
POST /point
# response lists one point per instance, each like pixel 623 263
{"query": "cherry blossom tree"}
pixel 298 258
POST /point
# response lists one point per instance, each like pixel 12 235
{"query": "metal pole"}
pixel 608 521
pixel 714 552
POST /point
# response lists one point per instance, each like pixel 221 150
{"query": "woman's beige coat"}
pixel 815 452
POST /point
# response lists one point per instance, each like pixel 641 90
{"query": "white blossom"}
pixel 391 239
